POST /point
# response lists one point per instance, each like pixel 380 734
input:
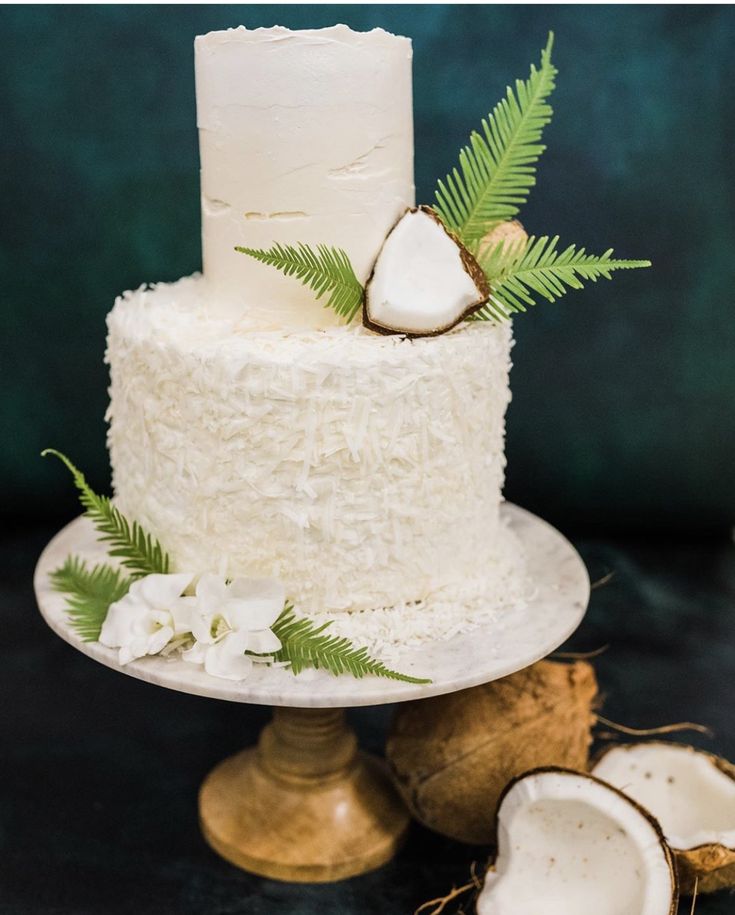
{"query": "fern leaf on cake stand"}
pixel 304 644
pixel 89 593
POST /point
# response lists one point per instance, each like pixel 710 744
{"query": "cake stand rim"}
pixel 346 692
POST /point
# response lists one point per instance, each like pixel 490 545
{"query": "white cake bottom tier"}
pixel 363 471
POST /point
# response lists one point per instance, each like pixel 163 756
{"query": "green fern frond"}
pixel 304 644
pixel 138 551
pixel 323 269
pixel 519 273
pixel 497 168
pixel 89 593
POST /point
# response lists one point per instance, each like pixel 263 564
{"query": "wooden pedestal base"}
pixel 304 805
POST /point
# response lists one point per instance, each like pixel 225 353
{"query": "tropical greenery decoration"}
pixel 137 550
pixel 497 167
pixel 537 268
pixel 495 173
pixel 304 644
pixel 322 270
pixel 91 592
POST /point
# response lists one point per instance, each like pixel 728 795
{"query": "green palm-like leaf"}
pixel 497 168
pixel 137 550
pixel 323 270
pixel 519 273
pixel 304 644
pixel 89 593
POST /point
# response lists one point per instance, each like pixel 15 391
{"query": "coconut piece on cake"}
pixel 692 794
pixel 510 233
pixel 424 281
pixel 569 844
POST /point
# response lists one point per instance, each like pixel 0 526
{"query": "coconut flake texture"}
pixel 692 795
pixel 364 472
pixel 569 844
pixel 424 281
pixel 304 136
pixel 452 756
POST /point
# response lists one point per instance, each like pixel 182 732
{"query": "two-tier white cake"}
pixel 253 432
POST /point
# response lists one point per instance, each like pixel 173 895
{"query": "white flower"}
pixel 148 617
pixel 230 619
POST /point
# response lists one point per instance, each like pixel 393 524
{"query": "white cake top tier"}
pixel 304 136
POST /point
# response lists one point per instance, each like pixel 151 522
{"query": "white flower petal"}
pixel 122 618
pixel 159 639
pixel 259 592
pixel 263 641
pixel 135 648
pixel 202 626
pixel 196 654
pixel 183 611
pixel 247 614
pixel 211 593
pixel 125 656
pixel 227 658
pixel 163 590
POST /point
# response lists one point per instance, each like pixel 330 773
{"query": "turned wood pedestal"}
pixel 304 805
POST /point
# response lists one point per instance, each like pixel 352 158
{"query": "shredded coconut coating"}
pixel 363 471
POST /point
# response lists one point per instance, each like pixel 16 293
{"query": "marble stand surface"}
pixel 517 639
pixel 305 805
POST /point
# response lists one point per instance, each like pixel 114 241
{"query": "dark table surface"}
pixel 100 772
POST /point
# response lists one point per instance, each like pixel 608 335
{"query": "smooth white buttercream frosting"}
pixel 363 471
pixel 305 136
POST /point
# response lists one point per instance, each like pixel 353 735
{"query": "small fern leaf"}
pixel 497 169
pixel 323 270
pixel 304 644
pixel 519 275
pixel 138 551
pixel 89 593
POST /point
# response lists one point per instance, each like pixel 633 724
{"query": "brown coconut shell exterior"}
pixel 708 867
pixel 451 756
pixel 511 233
pixel 675 884
pixel 469 263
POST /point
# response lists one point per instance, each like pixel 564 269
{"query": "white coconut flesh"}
pixel 692 799
pixel 420 284
pixel 570 845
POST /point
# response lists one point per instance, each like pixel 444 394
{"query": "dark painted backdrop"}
pixel 623 394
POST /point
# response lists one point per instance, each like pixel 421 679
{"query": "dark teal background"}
pixel 623 405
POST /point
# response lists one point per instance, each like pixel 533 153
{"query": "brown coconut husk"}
pixel 708 868
pixel 510 233
pixel 452 756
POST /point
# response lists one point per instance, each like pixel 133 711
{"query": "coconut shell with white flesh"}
pixel 424 281
pixel 692 794
pixel 569 844
pixel 451 756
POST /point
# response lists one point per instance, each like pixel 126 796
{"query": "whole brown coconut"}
pixel 510 233
pixel 451 756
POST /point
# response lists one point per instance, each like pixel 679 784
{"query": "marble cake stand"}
pixel 305 805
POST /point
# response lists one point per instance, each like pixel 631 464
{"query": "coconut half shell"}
pixel 424 281
pixel 570 844
pixel 692 794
